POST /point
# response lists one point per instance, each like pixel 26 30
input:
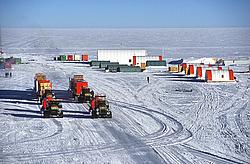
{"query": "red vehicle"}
pixel 99 107
pixel 76 85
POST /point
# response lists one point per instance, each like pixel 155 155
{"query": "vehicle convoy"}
pixel 51 107
pixel 99 107
pixel 76 86
pixel 41 85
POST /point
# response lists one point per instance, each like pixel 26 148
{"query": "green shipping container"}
pixel 129 69
pixel 62 58
pixel 18 60
pixel 156 63
pixel 96 63
pixel 103 64
pixel 112 67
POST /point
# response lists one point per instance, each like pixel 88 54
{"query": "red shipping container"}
pixel 70 57
pixel 160 58
pixel 199 71
pixel 209 75
pixel 79 85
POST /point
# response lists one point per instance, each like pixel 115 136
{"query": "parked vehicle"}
pixel 99 107
pixel 76 85
pixel 52 108
pixel 86 95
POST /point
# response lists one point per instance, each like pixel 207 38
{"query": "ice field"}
pixel 158 122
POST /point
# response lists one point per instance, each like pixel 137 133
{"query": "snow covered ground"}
pixel 160 122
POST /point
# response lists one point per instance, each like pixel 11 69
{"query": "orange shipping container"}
pixel 85 57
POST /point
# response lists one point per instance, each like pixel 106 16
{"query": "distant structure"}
pixel 118 55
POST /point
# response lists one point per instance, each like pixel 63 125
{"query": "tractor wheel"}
pixel 61 115
pixel 110 115
pixel 46 114
pixel 93 114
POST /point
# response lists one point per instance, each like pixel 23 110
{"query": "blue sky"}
pixel 125 13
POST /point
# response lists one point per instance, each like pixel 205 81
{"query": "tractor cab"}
pixel 100 107
pixel 53 109
pixel 86 95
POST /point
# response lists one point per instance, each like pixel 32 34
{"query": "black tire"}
pixel 46 114
pixel 110 115
pixel 93 114
pixel 61 115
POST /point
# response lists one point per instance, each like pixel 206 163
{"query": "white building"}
pixel 121 56
pixel 220 75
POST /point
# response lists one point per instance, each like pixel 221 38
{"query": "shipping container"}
pixel 63 58
pixel 160 58
pixel 129 69
pixel 42 86
pixel 104 64
pixel 18 60
pixel 38 76
pixel 95 63
pixel 79 86
pixel 143 66
pixel 78 77
pixel 77 57
pixel 121 56
pixel 85 57
pixel 173 68
pixel 70 58
pixel 156 63
pixel 112 68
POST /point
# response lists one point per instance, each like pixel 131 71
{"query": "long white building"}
pixel 121 56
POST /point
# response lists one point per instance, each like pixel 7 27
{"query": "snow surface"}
pixel 161 122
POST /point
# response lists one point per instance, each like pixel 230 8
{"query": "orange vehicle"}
pixel 76 86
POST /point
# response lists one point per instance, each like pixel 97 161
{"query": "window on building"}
pixel 222 76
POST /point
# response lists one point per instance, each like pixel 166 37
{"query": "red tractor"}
pixel 51 107
pixel 99 107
